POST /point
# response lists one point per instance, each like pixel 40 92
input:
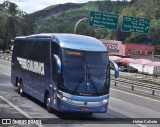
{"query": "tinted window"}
pixel 41 51
pixel 55 50
pixel 37 50
pixel 19 48
pixel 85 72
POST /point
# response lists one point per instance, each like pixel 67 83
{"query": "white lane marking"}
pixel 121 100
pixel 18 109
pixel 5 61
pixel 115 99
pixel 136 95
pixel 5 74
pixel 140 125
pixel 15 107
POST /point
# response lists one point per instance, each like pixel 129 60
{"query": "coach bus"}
pixel 67 72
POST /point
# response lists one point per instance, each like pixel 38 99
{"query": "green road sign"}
pixel 133 24
pixel 103 20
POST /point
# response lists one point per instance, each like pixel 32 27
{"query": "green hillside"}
pixel 64 21
pixel 149 9
pixel 55 9
pixel 63 17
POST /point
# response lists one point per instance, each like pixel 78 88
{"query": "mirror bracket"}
pixel 116 69
pixel 58 62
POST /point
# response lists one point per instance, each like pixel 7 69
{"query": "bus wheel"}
pixel 18 87
pixel 21 92
pixel 48 104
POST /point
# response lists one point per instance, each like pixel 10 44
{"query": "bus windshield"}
pixel 84 72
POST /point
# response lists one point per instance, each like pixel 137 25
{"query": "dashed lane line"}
pixel 5 74
pixel 115 99
pixel 140 125
pixel 121 100
pixel 5 61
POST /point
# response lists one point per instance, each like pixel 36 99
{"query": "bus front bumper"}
pixel 85 105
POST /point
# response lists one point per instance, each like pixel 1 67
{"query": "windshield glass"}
pixel 96 64
pixel 73 67
pixel 84 72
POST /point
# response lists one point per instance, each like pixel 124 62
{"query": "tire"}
pixel 16 83
pixel 20 89
pixel 48 103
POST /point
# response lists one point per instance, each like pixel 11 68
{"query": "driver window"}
pixel 55 50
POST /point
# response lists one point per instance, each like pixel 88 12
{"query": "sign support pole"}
pixel 75 27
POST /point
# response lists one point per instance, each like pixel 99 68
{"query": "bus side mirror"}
pixel 58 62
pixel 116 69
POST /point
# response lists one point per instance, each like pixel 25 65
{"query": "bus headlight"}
pixel 104 101
pixel 62 97
pixel 65 99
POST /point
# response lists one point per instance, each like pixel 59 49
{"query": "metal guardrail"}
pixel 142 77
pixel 133 84
pixel 140 83
pixel 8 58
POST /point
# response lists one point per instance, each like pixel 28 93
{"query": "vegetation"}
pixel 137 8
pixel 145 9
pixel 148 79
pixel 13 23
pixel 56 22
pixel 63 17
pixel 11 17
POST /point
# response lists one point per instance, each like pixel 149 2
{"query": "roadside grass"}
pixel 5 54
pixel 142 78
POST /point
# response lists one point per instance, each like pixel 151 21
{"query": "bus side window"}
pixel 41 51
pixel 29 45
pixel 55 48
pixel 18 48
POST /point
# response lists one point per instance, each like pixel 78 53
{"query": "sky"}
pixel 30 6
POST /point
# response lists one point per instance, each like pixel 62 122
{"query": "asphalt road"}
pixel 124 103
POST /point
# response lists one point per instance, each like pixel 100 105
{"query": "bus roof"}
pixel 73 41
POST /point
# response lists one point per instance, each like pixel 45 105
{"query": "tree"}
pixel 105 6
pixel 157 50
pixel 1 28
pixel 12 17
pixel 28 25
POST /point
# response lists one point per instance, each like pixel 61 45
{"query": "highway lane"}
pixel 5 67
pixel 122 105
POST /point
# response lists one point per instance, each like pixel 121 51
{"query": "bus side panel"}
pixel 37 83
pixel 41 79
pixel 33 67
pixel 14 70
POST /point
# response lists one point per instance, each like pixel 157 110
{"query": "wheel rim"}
pixel 48 101
pixel 18 87
pixel 21 90
pixel 18 84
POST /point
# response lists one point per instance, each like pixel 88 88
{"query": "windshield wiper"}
pixel 78 85
pixel 95 88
